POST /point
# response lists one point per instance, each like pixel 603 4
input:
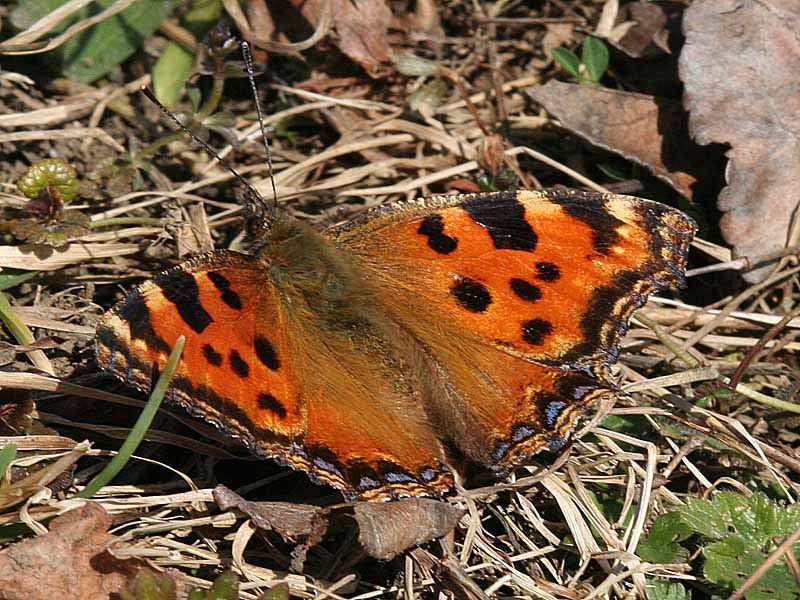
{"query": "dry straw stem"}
pixel 35 257
pixel 52 115
pixel 62 134
pixel 23 335
pixel 20 491
pixel 25 42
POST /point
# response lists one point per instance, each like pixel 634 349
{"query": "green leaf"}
pixel 594 57
pixel 429 95
pixel 704 518
pixel 661 589
pixel 568 60
pixel 614 171
pixel 195 97
pixel 147 585
pixel 171 72
pixel 98 50
pixel 730 562
pixel 13 277
pixel 788 520
pixel 745 531
pixel 176 63
pixel 284 131
pixel 54 173
pixel 8 316
pixel 416 66
pixel 7 455
pixel 661 543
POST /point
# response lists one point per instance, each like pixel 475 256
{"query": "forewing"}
pixel 234 370
pixel 551 276
pixel 520 300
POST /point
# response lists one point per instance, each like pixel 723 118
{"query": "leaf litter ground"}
pixel 611 516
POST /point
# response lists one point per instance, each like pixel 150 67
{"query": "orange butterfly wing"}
pixel 521 299
pixel 284 397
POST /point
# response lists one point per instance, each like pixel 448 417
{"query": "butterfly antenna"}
pixel 248 62
pixel 251 190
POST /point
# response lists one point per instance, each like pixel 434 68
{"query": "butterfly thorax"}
pixel 311 272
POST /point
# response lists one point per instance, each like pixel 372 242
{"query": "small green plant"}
pixel 736 534
pixel 50 185
pixel 592 64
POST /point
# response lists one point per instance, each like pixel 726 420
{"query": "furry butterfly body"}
pixel 381 354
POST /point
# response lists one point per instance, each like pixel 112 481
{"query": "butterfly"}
pixel 382 355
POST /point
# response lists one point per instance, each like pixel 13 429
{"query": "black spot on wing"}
pixel 228 296
pixel 432 227
pixel 547 271
pixel 134 311
pixel 266 353
pixel 238 364
pixel 535 330
pixel 471 294
pixel 503 217
pixel 212 356
pixel 525 290
pixel 272 404
pixel 592 211
pixel 180 288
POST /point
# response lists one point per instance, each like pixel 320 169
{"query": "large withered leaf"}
pixel 739 67
pixel 647 130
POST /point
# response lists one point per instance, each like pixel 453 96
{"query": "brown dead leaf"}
pixel 739 67
pixel 649 131
pixel 362 27
pixel 290 520
pixel 387 529
pixel 70 561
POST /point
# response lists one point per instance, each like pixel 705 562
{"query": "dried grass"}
pixel 546 532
